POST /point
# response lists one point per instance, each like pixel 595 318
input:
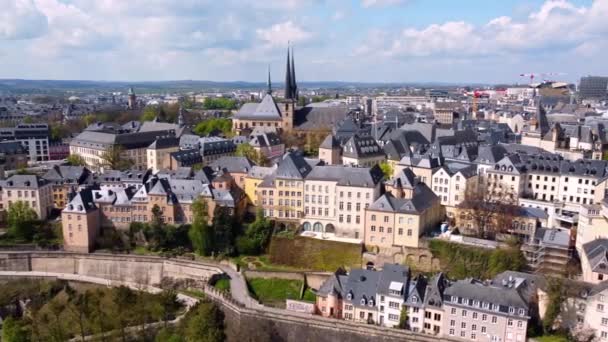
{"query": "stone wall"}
pixel 311 279
pixel 129 268
pixel 419 259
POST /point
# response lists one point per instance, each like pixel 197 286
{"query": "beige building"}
pixel 66 180
pixel 392 221
pixel 335 198
pixel 80 223
pixel 476 311
pixel 159 153
pixel 596 312
pixel 451 182
pixel 34 191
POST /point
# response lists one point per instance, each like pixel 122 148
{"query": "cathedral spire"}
pixel 288 83
pixel 294 85
pixel 269 91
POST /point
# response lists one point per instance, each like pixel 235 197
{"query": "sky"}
pixel 334 40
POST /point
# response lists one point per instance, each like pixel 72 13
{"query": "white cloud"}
pixel 558 25
pixel 21 19
pixel 381 3
pixel 280 34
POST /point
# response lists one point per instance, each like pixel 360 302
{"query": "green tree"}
pixel 224 230
pixel 219 103
pixel 168 335
pixel 169 305
pixel 14 331
pixel 148 114
pixel 89 119
pixel 20 220
pixel 157 216
pixel 59 132
pixel 81 307
pixel 246 150
pixel 75 160
pixel 556 297
pixel 208 126
pixel 113 158
pixel 200 233
pixel 403 318
pixel 256 237
pixel 122 299
pixel 387 169
pixel 205 324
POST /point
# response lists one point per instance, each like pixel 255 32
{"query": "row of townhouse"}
pixel 345 201
pixel 470 310
pixel 117 199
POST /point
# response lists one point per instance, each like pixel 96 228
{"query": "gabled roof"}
pixel 347 176
pixel 361 147
pixel 406 179
pixel 293 166
pixel 422 199
pixel 596 253
pixel 81 203
pixel 330 143
pixel 265 110
pixel 232 164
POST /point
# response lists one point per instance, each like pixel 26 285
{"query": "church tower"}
pixel 291 92
pixel 132 99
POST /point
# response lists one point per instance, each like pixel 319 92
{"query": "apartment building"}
pixel 159 153
pixel 91 145
pixel 65 180
pixel 424 304
pixel 596 312
pixel 33 137
pixel 13 155
pixel 549 250
pixel 478 311
pixel 335 198
pixel 254 178
pixel 451 182
pixel 282 192
pixel 392 221
pixel 235 167
pixel 80 223
pixel 362 151
pixel 33 190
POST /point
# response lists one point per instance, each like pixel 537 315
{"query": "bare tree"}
pixel 488 209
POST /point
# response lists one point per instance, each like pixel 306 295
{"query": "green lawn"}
pixel 223 285
pixel 314 254
pixel 309 296
pixel 273 292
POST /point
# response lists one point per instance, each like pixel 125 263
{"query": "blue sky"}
pixel 334 40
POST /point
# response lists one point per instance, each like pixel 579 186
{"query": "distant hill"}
pixel 48 86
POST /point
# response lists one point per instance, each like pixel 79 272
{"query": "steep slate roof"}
pixel 361 147
pixel 164 142
pixel 232 164
pixel 361 287
pixel 406 179
pixel 23 181
pixel 293 166
pixel 319 118
pixel 330 143
pixel 333 284
pixel 422 199
pixel 265 110
pixel 64 173
pixel 349 176
pixel 596 252
pixel 471 289
pixel 81 203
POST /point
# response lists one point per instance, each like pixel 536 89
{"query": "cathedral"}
pixel 285 115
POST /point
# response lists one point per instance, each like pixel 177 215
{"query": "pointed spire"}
pixel 288 92
pixel 294 85
pixel 269 91
pixel 180 117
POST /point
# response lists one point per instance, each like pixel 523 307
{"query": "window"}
pixel 473 336
pixel 474 315
pixel 600 307
pixel 464 313
pixel 453 311
pixel 483 329
pixel 373 228
pixel 510 322
pixel 451 332
pixel 400 231
pixel 373 218
pixel 604 321
pixel 452 323
pixel 494 319
pixel 409 232
pixel 520 324
pixel 474 327
pixel 463 325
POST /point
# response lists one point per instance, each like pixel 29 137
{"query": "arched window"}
pixel 306 226
pixel 318 227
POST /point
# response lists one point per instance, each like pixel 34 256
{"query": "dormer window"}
pixel 362 301
pixel 371 302
pixel 414 299
pixel 521 312
pixel 349 296
pixel 511 310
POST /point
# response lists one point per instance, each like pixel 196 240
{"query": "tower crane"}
pixel 534 75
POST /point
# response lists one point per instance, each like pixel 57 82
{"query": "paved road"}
pixel 238 288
